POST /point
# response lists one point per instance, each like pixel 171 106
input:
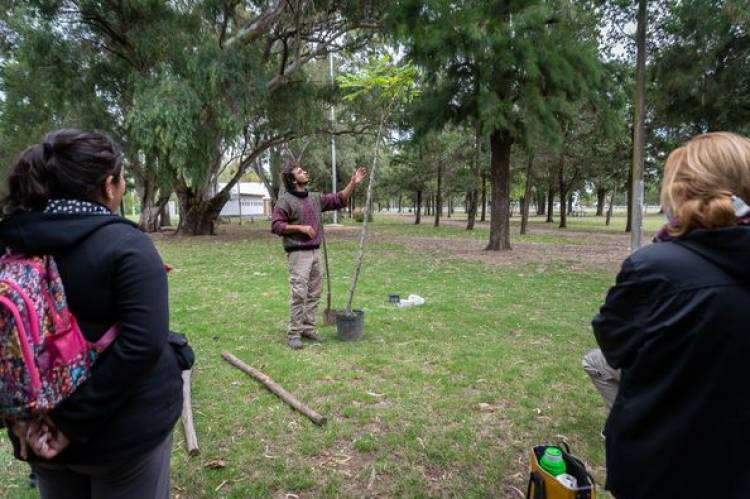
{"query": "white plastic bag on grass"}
pixel 411 301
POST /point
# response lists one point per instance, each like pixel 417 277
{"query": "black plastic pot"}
pixel 350 327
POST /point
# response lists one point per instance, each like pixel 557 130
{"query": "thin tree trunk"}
pixel 471 208
pixel 541 202
pixel 366 209
pixel 149 218
pixel 418 208
pixel 601 196
pixel 500 146
pixel 400 196
pixel 629 220
pixel 526 195
pixel 483 218
pixel 609 210
pixel 563 193
pixel 439 194
pixel 164 218
pixel 550 203
pixel 570 203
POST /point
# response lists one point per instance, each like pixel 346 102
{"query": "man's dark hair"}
pixel 69 163
pixel 287 176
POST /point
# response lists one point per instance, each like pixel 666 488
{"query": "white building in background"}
pixel 247 200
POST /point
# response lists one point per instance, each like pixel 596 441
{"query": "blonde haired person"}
pixel 676 324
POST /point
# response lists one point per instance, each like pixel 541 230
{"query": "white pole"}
pixel 639 134
pixel 239 201
pixel 333 143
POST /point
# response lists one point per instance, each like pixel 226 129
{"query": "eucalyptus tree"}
pixel 189 87
pixel 246 90
pixel 57 72
pixel 508 66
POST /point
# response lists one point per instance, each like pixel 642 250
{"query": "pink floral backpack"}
pixel 44 356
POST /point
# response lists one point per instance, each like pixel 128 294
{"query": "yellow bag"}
pixel 542 485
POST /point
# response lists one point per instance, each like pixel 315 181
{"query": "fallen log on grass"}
pixel 191 439
pixel 275 388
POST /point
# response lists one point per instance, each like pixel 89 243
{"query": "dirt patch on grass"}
pixel 586 250
pixel 582 249
pixel 602 254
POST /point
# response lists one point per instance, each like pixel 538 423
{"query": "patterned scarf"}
pixel 75 206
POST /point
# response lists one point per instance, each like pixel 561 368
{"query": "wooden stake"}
pixel 191 439
pixel 275 388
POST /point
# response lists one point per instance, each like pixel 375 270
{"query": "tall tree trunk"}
pixel 570 203
pixel 164 218
pixel 439 194
pixel 550 203
pixel 639 110
pixel 418 209
pixel 153 201
pixel 450 206
pixel 541 202
pixel 400 196
pixel 563 193
pixel 526 195
pixel 629 221
pixel 483 218
pixel 601 196
pixel 500 146
pixel 149 218
pixel 198 210
pixel 471 208
pixel 609 210
pixel 276 164
pixel 161 205
pixel 367 212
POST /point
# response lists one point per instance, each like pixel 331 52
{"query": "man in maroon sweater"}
pixel 296 217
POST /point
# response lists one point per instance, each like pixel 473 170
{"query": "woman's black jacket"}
pixel 677 322
pixel 112 274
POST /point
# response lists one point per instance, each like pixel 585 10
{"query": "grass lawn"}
pixel 444 399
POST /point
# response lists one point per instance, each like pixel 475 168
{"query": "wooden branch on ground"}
pixel 191 440
pixel 275 388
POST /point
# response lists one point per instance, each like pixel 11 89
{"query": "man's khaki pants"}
pixel 605 378
pixel 305 287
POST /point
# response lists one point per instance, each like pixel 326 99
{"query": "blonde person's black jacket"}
pixel 112 274
pixel 677 322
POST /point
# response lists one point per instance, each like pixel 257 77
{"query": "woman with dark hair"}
pixel 676 324
pixel 112 436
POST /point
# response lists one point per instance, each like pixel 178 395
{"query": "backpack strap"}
pixel 30 310
pixel 106 340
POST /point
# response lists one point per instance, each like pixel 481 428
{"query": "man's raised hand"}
pixel 359 175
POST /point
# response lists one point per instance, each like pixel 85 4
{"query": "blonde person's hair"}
pixel 700 178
